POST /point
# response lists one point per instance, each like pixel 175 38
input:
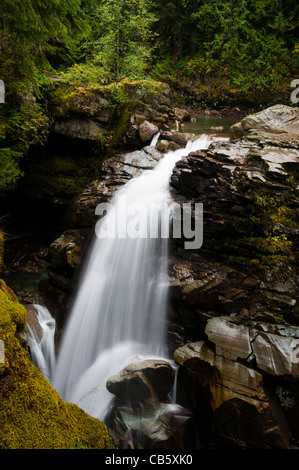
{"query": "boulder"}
pixel 234 378
pixel 232 341
pixel 180 138
pixel 276 353
pixel 32 323
pixel 147 131
pixel 140 381
pixel 278 119
pixel 181 114
pixel 84 128
pixel 143 416
pixel 167 146
pixel 65 251
pixel 164 426
pixel 242 411
pixel 273 347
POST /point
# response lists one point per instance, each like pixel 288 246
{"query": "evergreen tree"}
pixel 29 31
pixel 124 44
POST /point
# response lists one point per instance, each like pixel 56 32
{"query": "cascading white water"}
pixel 119 312
pixel 43 350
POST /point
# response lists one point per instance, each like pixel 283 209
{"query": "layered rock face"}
pixel 130 115
pixel 233 314
pixel 233 320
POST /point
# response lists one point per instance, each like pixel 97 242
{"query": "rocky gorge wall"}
pixel 235 300
pixel 233 303
pixel 233 315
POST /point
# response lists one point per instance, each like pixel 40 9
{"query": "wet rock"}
pixel 243 412
pixel 65 257
pixel 147 131
pixel 271 346
pixel 234 301
pixel 33 323
pixel 200 290
pixel 119 169
pixel 84 129
pixel 164 426
pixel 266 162
pixel 143 416
pixel 30 266
pixel 65 251
pixel 231 340
pixel 181 114
pixel 235 377
pixel 279 119
pixel 115 172
pixel 275 353
pixel 250 230
pixel 167 146
pixel 143 380
pixel 180 138
pixel 170 141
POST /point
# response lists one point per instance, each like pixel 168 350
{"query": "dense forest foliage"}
pixel 247 44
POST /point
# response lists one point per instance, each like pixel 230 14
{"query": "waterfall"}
pixel 42 349
pixel 118 315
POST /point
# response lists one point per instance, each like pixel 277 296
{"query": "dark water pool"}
pixel 22 281
pixel 207 125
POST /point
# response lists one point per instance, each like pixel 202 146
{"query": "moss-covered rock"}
pixel 32 414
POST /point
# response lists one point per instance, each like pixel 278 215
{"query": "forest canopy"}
pixel 252 43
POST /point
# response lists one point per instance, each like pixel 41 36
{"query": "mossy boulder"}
pixel 108 116
pixel 32 414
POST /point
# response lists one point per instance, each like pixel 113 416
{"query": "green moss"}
pixel 142 88
pixel 10 309
pixel 285 216
pixel 272 245
pixel 120 126
pixel 32 414
pixel 70 98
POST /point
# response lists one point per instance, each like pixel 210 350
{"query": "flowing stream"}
pixel 118 315
pixel 42 349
